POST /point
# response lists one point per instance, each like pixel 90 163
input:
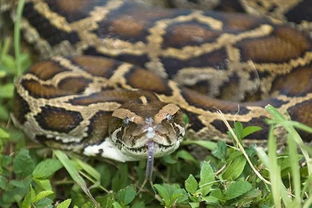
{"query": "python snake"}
pixel 123 76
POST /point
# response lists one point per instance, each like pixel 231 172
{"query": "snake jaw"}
pixel 134 127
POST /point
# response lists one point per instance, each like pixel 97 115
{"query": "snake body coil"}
pixel 156 65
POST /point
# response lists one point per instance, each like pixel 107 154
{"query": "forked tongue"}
pixel 149 164
pixel 150 160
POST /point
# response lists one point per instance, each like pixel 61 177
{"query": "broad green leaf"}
pixel 210 199
pixel 237 189
pixel 8 62
pixel 64 204
pixel 238 129
pixel 185 155
pixel 106 174
pixel 4 113
pixel 168 159
pixel 235 168
pixel 89 169
pixel 3 182
pixel 73 172
pixel 139 204
pixel 44 203
pixel 45 184
pixel 126 196
pixel 171 194
pixel 117 205
pixel 106 201
pixel 2 73
pixel 46 168
pixel 120 179
pixel 28 198
pixel 6 91
pixel 250 130
pixel 41 195
pixel 191 184
pixel 23 164
pixel 194 204
pixel 207 178
pixel 203 143
pixel 220 151
pixel 4 134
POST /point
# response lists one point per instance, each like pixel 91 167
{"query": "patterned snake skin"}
pixel 124 76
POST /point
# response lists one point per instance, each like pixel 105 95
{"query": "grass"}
pixel 230 176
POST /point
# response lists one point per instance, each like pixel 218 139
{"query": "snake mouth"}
pixel 142 152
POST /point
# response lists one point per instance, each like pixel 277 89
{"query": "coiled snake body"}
pixel 156 65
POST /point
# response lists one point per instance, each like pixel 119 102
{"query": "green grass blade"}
pixel 73 172
pixel 295 169
pixel 274 170
pixel 17 36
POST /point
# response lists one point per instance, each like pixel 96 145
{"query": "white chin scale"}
pixel 108 150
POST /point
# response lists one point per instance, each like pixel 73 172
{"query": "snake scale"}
pixel 123 76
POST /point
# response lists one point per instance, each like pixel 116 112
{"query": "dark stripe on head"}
pixel 196 124
pixel 98 128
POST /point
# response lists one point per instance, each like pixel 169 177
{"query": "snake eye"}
pixel 169 117
pixel 126 121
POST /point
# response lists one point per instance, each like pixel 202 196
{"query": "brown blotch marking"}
pixel 169 109
pixel 284 44
pixel 97 66
pixel 211 104
pixel 302 112
pixel 239 22
pixel 21 108
pixel 295 83
pixel 187 33
pixel 74 84
pixel 296 37
pixel 38 90
pixel 58 119
pixel 123 113
pixel 144 111
pixel 144 14
pixel 120 96
pixel 46 70
pixel 127 26
pixel 98 128
pixel 145 80
pixel 72 6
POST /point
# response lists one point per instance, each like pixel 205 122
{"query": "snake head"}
pixel 134 126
